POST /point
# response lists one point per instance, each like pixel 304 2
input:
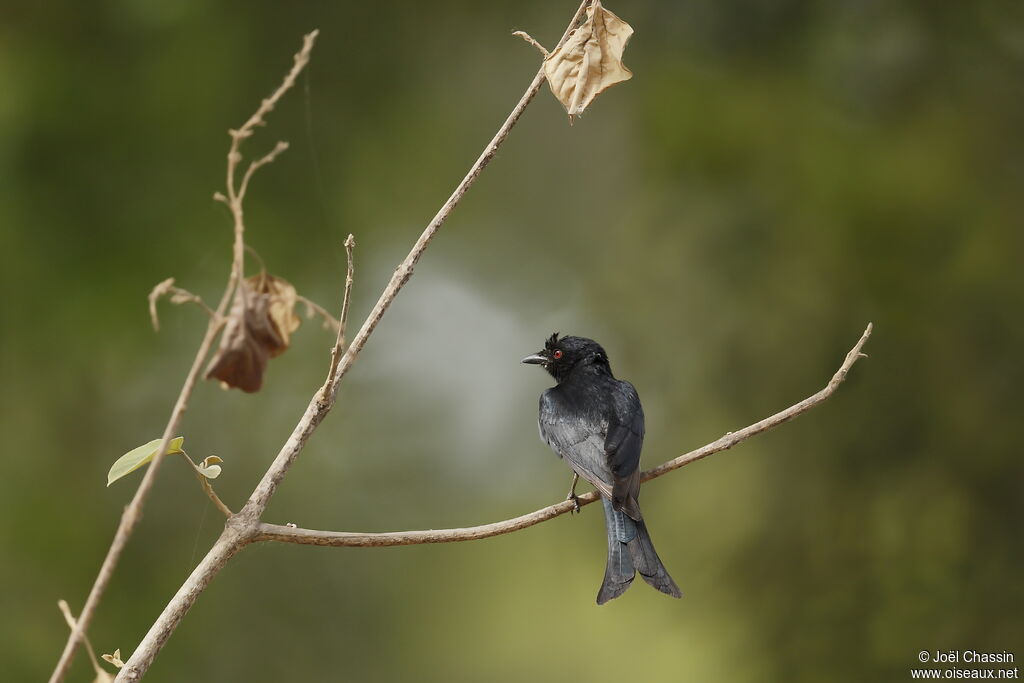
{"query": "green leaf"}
pixel 209 467
pixel 137 457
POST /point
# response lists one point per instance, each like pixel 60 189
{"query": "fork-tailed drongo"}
pixel 596 424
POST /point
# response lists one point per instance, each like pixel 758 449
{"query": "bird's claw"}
pixel 575 502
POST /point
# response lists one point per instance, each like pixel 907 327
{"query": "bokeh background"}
pixel 776 175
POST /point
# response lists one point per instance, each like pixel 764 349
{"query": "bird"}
pixel 596 424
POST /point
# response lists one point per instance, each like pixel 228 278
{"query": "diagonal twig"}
pixel 339 344
pixel 101 673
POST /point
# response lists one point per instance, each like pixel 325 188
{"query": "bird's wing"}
pixel 577 440
pixel 623 445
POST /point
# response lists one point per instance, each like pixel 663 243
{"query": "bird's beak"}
pixel 536 359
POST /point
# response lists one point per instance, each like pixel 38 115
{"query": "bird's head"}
pixel 562 355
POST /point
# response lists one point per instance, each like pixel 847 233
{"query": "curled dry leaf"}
pixel 259 326
pixel 590 61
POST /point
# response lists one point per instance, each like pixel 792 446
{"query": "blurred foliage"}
pixel 776 174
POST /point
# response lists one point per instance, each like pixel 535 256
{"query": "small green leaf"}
pixel 137 457
pixel 209 467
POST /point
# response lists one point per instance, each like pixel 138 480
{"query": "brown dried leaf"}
pixel 590 61
pixel 281 307
pixel 261 320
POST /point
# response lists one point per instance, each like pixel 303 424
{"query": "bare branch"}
pixel 204 482
pixel 101 673
pixel 339 344
pixel 178 296
pixel 318 407
pixel 208 488
pixel 315 309
pixel 528 38
pixel 235 194
pixel 348 539
pixel 322 401
pixel 346 299
pixel 234 537
pixel 254 166
pixel 133 511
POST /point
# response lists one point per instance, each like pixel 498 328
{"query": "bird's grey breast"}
pixel 574 436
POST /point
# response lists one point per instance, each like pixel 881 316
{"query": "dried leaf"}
pixel 210 467
pixel 261 320
pixel 590 61
pixel 137 457
pixel 281 310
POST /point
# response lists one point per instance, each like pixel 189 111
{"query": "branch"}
pixel 101 673
pixel 314 309
pixel 317 409
pixel 207 487
pixel 339 344
pixel 178 296
pixel 242 527
pixel 528 38
pixel 254 166
pixel 347 539
pixel 236 193
pixel 133 511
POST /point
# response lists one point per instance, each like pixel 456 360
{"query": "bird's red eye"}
pixel 557 354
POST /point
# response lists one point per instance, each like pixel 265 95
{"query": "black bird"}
pixel 596 424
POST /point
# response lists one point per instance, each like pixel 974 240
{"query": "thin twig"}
pixel 204 482
pixel 254 166
pixel 178 296
pixel 346 299
pixel 528 38
pixel 236 193
pixel 133 511
pixel 289 534
pixel 208 487
pixel 70 619
pixel 339 343
pixel 313 308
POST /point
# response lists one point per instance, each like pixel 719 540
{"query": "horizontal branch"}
pixel 351 539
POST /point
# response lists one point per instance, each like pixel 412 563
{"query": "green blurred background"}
pixel 777 174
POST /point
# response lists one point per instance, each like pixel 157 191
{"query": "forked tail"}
pixel 629 551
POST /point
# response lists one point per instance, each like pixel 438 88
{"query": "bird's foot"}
pixel 575 501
